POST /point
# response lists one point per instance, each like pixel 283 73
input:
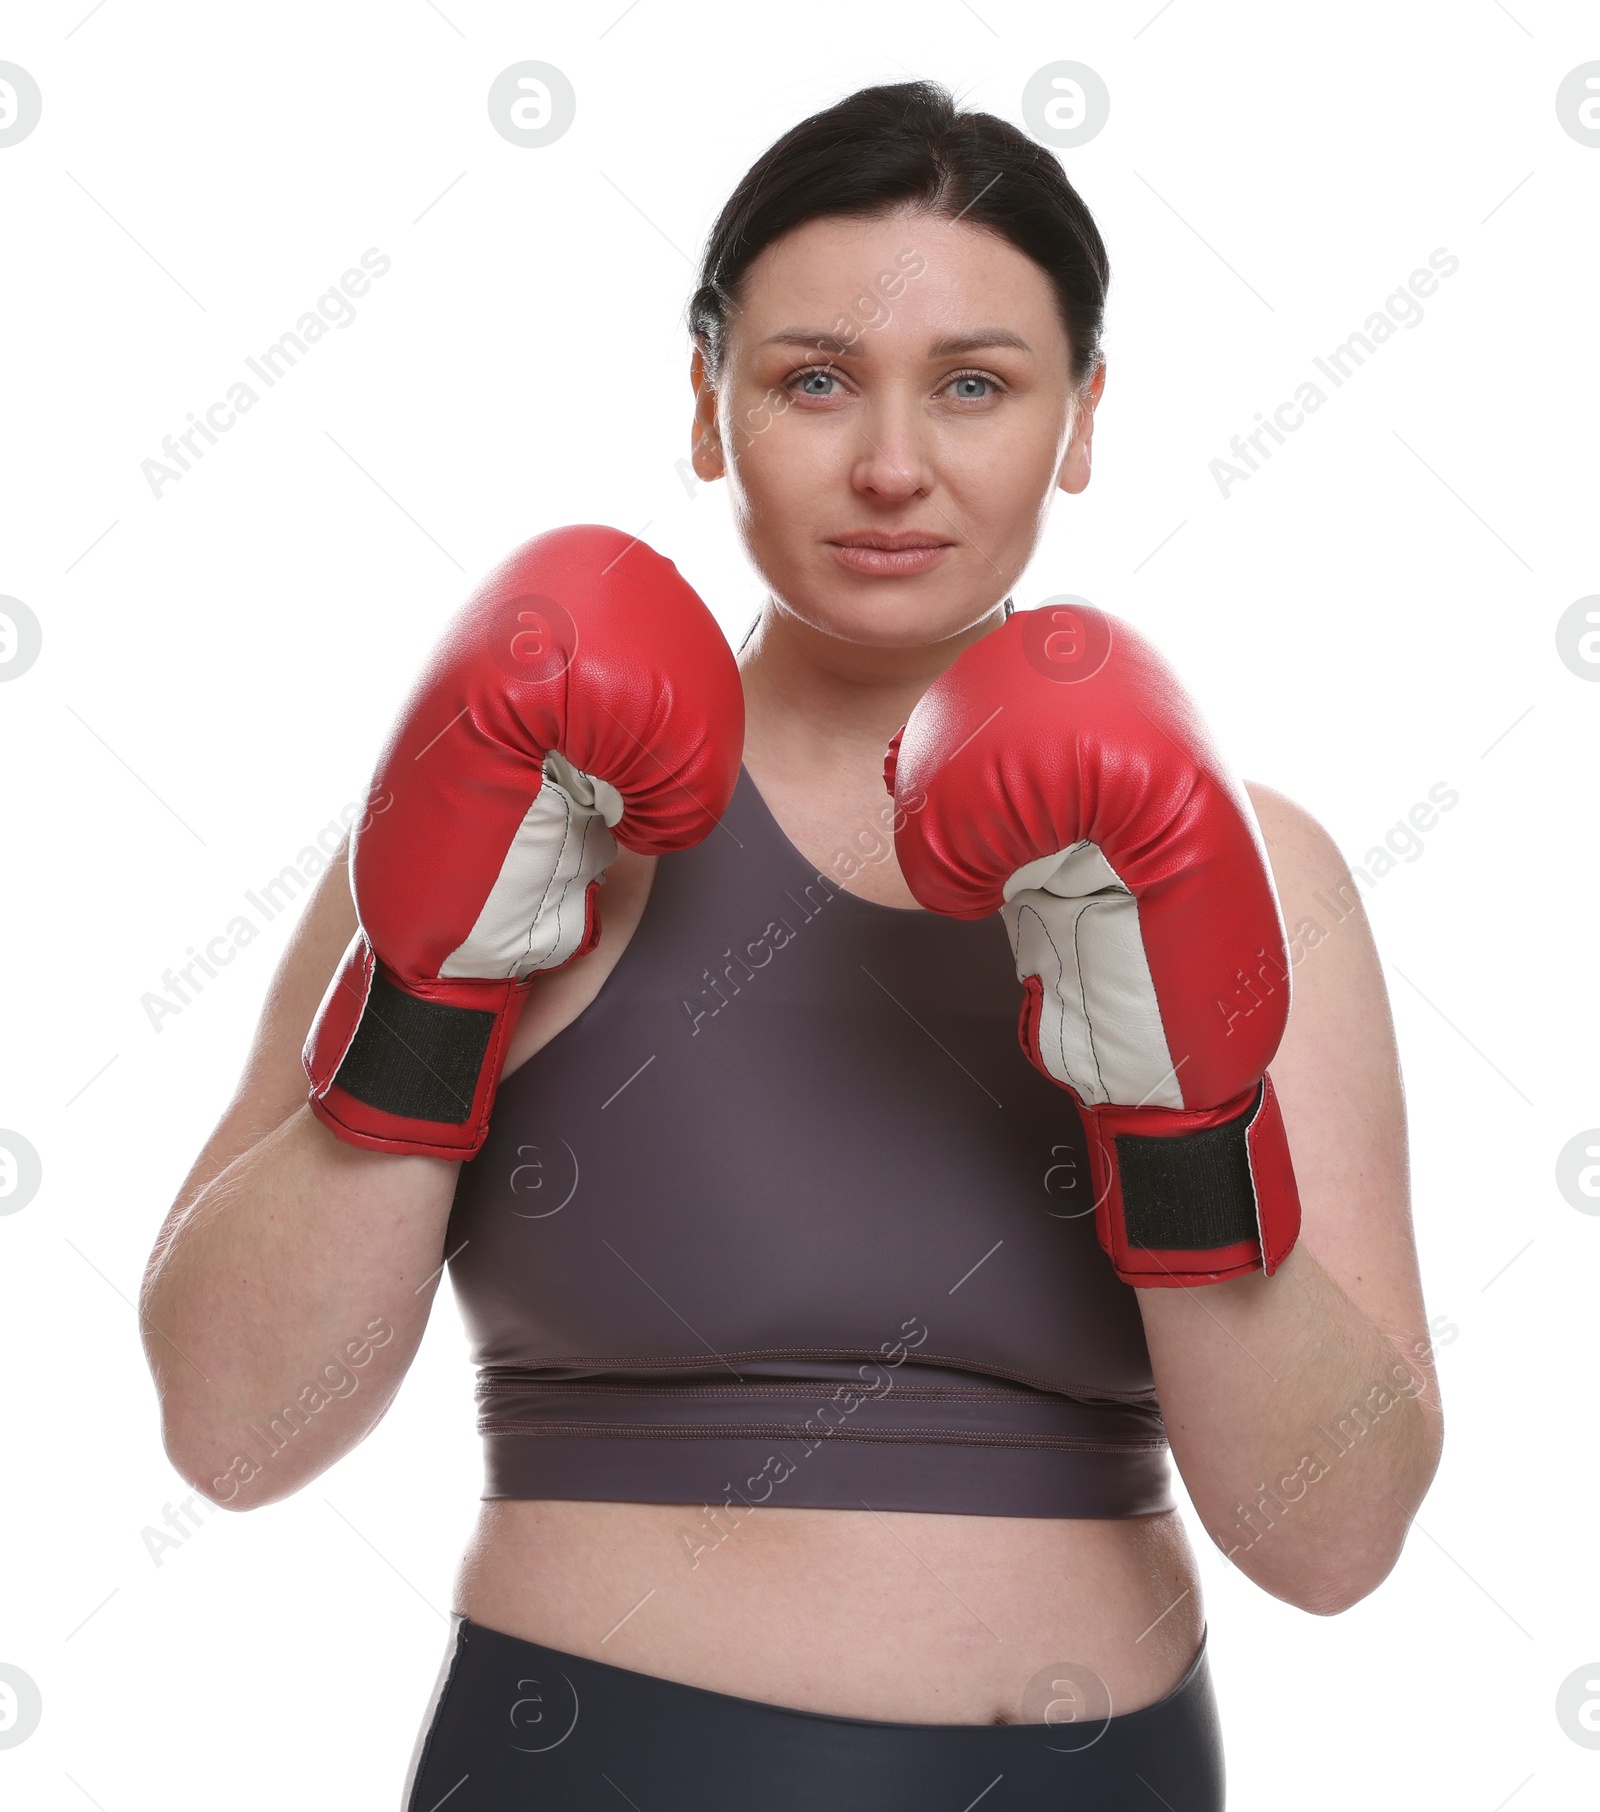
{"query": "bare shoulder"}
pixel 1324 917
pixel 1318 896
pixel 1297 844
pixel 1337 1075
pixel 1335 975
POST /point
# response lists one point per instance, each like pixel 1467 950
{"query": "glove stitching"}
pixel 560 792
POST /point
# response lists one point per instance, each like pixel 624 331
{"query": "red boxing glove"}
pixel 583 697
pixel 1057 773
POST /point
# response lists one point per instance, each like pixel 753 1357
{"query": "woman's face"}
pixel 894 411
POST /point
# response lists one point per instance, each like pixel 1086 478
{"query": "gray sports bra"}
pixel 785 1216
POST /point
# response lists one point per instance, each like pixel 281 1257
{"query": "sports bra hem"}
pixel 519 1376
pixel 779 1431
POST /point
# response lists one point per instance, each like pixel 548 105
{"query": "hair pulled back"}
pixel 907 144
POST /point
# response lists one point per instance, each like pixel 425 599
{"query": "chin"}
pixel 882 621
pixel 882 613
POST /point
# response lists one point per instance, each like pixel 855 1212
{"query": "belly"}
pixel 893 1615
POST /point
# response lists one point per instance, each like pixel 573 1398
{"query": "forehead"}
pixel 909 274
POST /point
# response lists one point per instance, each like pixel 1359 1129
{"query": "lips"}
pixel 891 542
pixel 882 554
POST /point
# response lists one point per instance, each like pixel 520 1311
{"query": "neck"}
pixel 816 704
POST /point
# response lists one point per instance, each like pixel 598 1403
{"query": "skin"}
pixel 284 1242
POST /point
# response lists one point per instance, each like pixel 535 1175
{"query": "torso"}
pixel 888 1615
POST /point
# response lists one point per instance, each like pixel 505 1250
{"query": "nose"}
pixel 893 462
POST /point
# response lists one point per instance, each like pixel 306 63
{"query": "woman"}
pixel 696 1578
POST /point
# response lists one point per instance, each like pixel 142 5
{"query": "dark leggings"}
pixel 515 1724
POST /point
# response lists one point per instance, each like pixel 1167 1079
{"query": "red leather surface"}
pixel 1067 726
pixel 584 641
pixel 1014 764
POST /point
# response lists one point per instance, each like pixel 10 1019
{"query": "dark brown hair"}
pixel 906 144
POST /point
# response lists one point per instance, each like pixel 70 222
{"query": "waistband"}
pixel 515 1720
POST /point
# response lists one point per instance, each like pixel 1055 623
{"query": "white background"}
pixel 1371 613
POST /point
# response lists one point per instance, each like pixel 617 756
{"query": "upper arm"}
pixel 1337 1076
pixel 273 1084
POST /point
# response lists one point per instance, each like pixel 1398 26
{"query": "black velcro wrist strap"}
pixel 420 1059
pixel 1189 1193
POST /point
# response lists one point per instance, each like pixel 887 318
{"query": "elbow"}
pixel 231 1474
pixel 1329 1597
pixel 1330 1565
pixel 221 1488
pixel 1321 1588
pixel 239 1486
pixel 1332 1575
pixel 1338 1589
pixel 1326 1592
pixel 232 1482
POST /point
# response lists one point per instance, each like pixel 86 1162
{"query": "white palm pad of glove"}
pixel 561 846
pixel 1075 925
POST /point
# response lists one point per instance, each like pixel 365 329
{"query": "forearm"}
pixel 282 1307
pixel 1304 1435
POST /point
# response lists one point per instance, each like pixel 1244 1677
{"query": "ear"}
pixel 1077 462
pixel 705 451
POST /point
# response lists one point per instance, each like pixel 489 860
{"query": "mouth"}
pixel 882 553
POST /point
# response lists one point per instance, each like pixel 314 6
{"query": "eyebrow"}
pixel 979 340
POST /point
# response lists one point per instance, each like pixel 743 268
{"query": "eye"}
pixel 962 386
pixel 813 381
